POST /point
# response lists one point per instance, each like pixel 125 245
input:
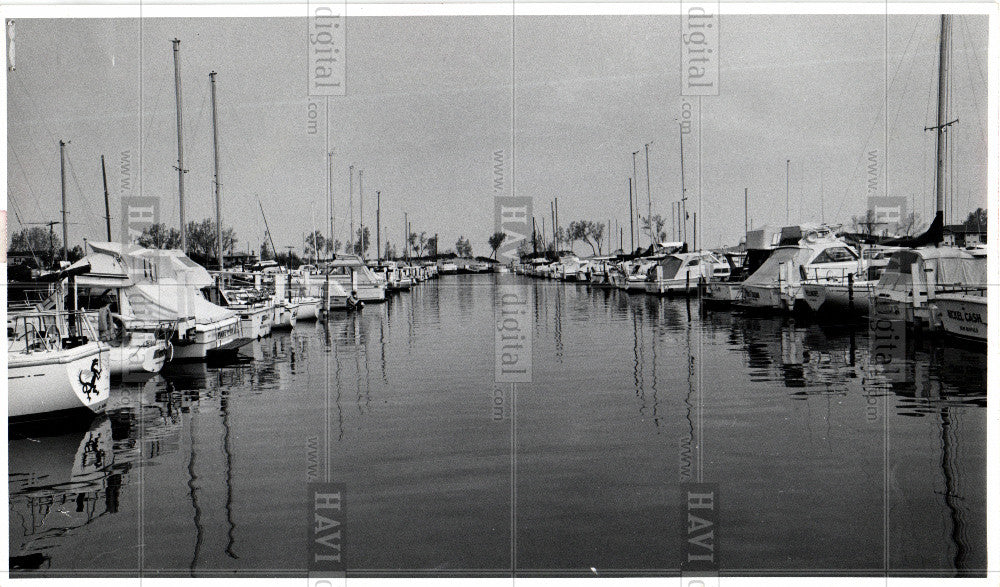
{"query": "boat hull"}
pixel 46 382
pixel 635 285
pixel 963 316
pixel 761 297
pixel 666 287
pixel 256 321
pixel 721 293
pixel 285 315
pixel 139 359
pixel 308 309
pixel 839 297
pixel 208 339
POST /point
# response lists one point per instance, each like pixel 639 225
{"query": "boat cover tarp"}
pixel 169 301
pixel 767 274
pixel 952 267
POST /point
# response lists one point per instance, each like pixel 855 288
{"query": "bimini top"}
pixel 952 266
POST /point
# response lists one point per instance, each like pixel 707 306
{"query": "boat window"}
pixel 835 255
pixel 693 262
pixel 901 262
pixel 670 267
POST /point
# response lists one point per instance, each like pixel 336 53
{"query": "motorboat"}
pixel 351 273
pixel 963 314
pixel 102 287
pixel 173 287
pixel 681 273
pixel 805 254
pixel 854 294
pixel 915 278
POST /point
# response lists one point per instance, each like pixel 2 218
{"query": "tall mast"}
pixel 635 190
pixel 649 198
pixel 942 112
pixel 378 225
pixel 180 141
pixel 682 212
pixel 556 221
pixel 270 236
pixel 62 183
pixel 631 216
pixel 361 210
pixel 329 194
pixel 788 163
pixel 746 219
pixel 218 183
pixel 107 208
pixel 350 207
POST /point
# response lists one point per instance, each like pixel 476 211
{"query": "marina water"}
pixel 825 461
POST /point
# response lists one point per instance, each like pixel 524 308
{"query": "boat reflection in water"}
pixel 830 459
pixel 933 466
pixel 58 481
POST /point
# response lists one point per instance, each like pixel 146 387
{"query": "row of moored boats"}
pixel 805 269
pixel 125 310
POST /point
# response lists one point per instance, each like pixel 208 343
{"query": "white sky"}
pixel 429 101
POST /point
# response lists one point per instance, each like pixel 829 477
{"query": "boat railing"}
pixel 829 275
pixel 49 330
pixel 961 288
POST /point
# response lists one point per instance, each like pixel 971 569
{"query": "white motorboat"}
pixel 351 273
pixel 681 273
pixel 174 289
pixel 915 278
pixel 805 254
pixel 854 294
pixel 51 371
pixel 963 314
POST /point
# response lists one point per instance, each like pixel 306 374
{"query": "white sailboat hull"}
pixel 48 381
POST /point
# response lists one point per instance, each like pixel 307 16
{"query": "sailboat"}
pixel 928 285
pixel 52 371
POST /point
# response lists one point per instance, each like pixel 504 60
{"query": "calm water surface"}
pixel 825 463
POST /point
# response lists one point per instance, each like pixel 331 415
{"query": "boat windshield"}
pixel 671 265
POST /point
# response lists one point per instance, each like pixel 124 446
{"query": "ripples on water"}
pixel 826 463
